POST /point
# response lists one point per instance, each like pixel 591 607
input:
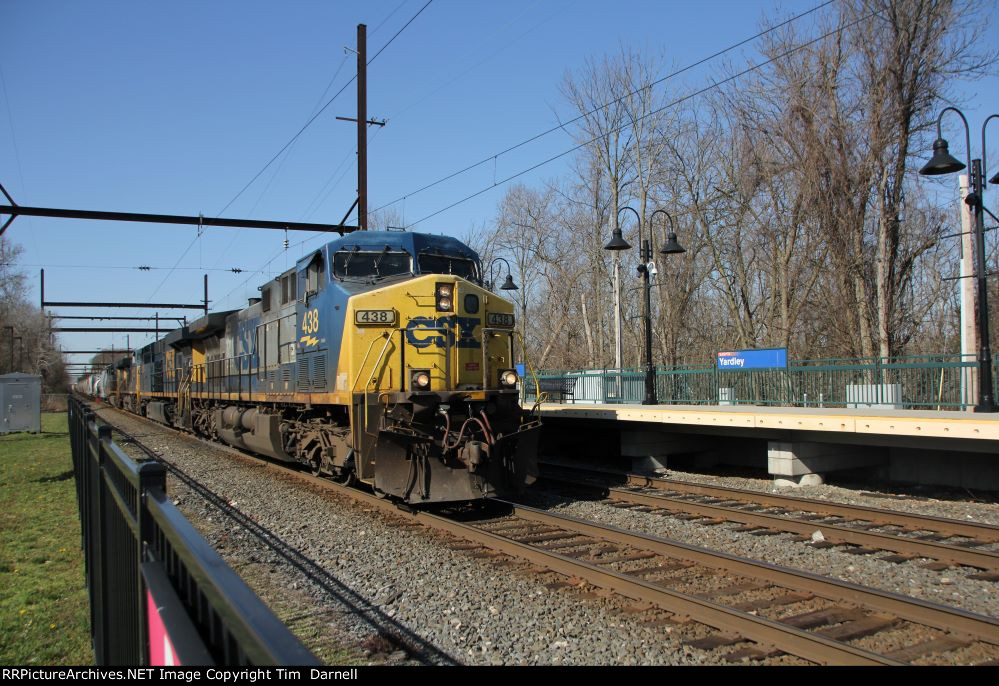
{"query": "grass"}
pixel 44 610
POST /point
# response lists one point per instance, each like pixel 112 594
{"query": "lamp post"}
pixel 943 162
pixel 670 247
pixel 617 242
pixel 508 285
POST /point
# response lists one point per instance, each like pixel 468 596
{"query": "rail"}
pixel 159 594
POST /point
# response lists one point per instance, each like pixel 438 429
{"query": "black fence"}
pixel 159 594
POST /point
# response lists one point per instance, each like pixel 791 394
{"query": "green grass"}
pixel 44 610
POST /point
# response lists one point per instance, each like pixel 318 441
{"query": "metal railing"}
pixel 930 382
pixel 159 594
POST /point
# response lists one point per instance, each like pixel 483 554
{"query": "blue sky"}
pixel 173 107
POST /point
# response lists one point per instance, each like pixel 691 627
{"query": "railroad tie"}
pixel 936 566
pixel 658 569
pixel 897 559
pixel 858 628
pixel 766 603
pixel 713 641
pixel 751 653
pixel 985 576
pixel 941 644
pixel 817 618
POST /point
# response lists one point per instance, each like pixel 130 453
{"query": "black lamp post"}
pixel 617 242
pixel 943 162
pixel 508 285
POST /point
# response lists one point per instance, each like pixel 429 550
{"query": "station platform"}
pixel 916 445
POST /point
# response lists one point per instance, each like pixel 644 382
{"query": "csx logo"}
pixel 422 332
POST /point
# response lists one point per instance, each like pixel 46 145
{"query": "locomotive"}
pixel 381 357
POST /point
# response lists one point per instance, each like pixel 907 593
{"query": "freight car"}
pixel 380 357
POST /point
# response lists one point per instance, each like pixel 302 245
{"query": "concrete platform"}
pixel 757 418
pixel 795 443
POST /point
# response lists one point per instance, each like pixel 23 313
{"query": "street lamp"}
pixel 943 162
pixel 616 245
pixel 617 242
pixel 508 285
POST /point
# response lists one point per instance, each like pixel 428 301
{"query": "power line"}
pixel 141 268
pixel 307 124
pixel 562 125
pixel 689 96
pixel 321 110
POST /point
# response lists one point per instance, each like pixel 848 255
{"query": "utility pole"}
pixel 362 127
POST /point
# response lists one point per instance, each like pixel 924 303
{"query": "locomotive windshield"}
pixel 438 263
pixel 356 264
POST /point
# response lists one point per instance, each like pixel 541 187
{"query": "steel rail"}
pixel 980 559
pixel 751 627
pixel 904 607
pixel 954 527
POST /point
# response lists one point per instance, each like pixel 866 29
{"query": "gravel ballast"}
pixel 473 610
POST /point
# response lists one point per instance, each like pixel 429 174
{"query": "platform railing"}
pixel 159 594
pixel 929 382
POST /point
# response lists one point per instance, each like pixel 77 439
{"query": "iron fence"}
pixel 159 594
pixel 933 382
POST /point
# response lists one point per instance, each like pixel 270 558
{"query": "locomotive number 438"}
pixel 310 322
pixel 383 317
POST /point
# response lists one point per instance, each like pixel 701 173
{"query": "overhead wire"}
pixel 321 110
pixel 561 126
pixel 673 103
pixel 309 122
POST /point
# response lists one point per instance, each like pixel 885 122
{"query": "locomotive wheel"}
pixel 316 460
pixel 347 478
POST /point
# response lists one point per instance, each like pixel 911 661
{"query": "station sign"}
pixel 738 360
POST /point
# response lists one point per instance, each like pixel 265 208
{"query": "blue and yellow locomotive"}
pixel 380 357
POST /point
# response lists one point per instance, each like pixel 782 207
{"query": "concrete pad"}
pixel 796 458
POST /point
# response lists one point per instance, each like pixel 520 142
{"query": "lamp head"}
pixel 672 246
pixel 617 242
pixel 942 161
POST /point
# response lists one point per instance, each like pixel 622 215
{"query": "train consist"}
pixel 379 357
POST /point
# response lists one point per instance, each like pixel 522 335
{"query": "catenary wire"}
pixel 673 103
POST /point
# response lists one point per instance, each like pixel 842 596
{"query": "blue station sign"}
pixel 738 360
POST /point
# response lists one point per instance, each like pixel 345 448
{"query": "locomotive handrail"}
pixel 388 341
pixel 360 369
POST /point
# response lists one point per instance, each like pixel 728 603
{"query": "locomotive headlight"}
pixel 508 378
pixel 419 380
pixel 444 293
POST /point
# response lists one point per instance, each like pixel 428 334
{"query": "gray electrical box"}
pixel 20 403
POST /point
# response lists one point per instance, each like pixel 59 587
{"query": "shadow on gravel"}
pixel 389 631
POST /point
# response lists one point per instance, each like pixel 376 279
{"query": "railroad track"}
pixel 855 529
pixel 756 610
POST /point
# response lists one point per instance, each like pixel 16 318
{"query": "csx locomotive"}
pixel 379 357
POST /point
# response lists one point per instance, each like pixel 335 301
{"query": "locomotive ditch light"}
pixel 444 293
pixel 508 378
pixel 419 380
